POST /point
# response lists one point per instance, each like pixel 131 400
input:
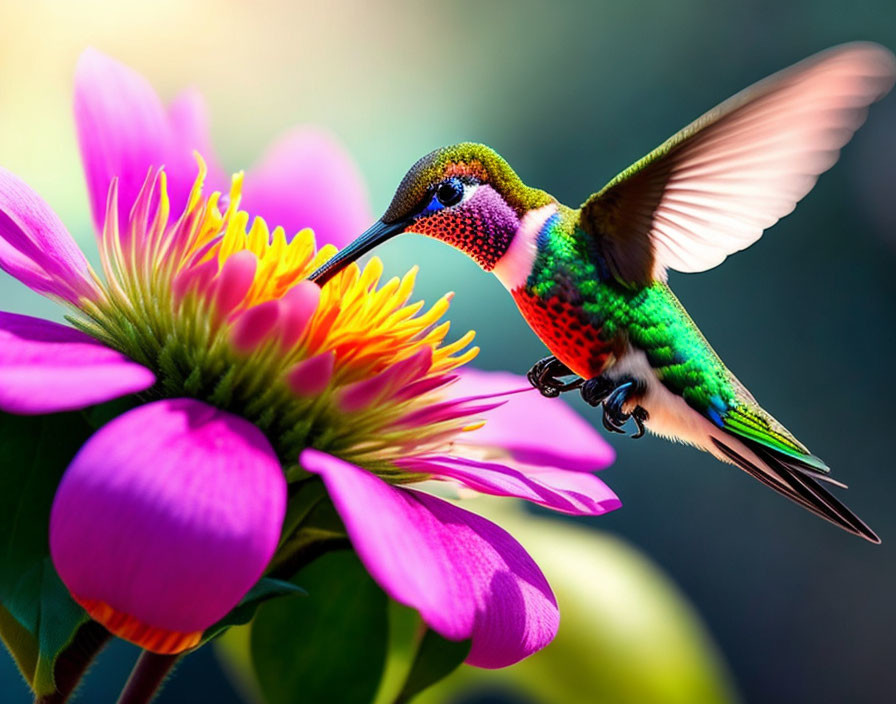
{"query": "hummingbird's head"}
pixel 465 195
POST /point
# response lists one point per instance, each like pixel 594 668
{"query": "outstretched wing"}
pixel 711 189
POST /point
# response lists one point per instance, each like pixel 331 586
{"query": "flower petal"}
pixel 311 376
pixel 234 280
pixel 535 430
pixel 46 367
pixel 577 493
pixel 35 247
pixel 253 325
pixel 123 130
pixel 298 306
pixel 165 519
pixel 467 577
pixel 188 116
pixel 307 179
pixel 362 394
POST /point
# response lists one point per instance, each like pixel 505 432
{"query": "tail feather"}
pixel 797 465
pixel 798 483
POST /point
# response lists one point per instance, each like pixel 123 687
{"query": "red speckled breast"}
pixel 566 331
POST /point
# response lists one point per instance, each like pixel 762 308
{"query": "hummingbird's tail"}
pixel 726 421
pixel 797 481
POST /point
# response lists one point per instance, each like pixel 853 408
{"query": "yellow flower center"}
pixel 220 309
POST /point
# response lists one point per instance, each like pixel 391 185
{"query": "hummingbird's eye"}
pixel 450 192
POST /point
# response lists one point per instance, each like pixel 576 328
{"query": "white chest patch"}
pixel 514 267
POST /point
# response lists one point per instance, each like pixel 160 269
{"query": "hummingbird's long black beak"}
pixel 376 234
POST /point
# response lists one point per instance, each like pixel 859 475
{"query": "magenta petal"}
pixel 297 307
pixel 577 493
pixel 123 130
pixel 534 429
pixel 234 280
pixel 311 376
pixel 168 515
pixel 467 577
pixel 196 278
pixel 307 179
pixel 424 386
pixel 449 410
pixel 360 395
pixel 253 325
pixel 46 367
pixel 35 247
pixel 188 116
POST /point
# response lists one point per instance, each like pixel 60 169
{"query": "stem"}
pixel 146 677
pixel 286 567
pixel 73 662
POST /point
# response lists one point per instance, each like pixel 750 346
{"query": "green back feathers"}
pixel 688 366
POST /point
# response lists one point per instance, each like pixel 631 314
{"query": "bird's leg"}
pixel 614 394
pixel 614 417
pixel 595 391
pixel 544 376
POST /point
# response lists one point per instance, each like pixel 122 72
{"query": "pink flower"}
pixel 249 374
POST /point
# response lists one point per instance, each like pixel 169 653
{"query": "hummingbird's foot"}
pixel 595 391
pixel 614 394
pixel 639 415
pixel 544 376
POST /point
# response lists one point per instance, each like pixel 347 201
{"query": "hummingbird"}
pixel 591 281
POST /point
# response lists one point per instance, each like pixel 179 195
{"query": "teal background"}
pixel 570 93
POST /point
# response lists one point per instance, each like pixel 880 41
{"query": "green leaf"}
pixel 417 658
pixel 266 588
pixel 312 527
pixel 21 644
pixel 330 646
pixel 58 620
pixel 98 416
pixel 436 658
pixel 35 451
pixel 406 629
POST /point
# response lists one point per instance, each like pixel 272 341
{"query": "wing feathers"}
pixel 715 186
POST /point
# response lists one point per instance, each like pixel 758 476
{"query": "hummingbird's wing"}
pixel 711 189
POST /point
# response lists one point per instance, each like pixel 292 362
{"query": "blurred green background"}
pixel 570 93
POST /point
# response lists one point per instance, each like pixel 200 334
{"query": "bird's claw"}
pixel 595 391
pixel 545 376
pixel 613 395
pixel 639 415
